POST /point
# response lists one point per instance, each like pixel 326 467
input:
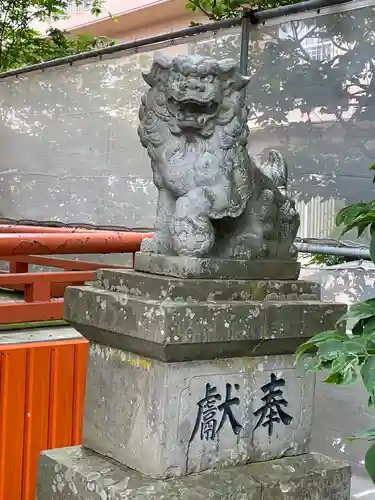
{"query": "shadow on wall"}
pixel 70 151
pixel 344 283
pixel 70 134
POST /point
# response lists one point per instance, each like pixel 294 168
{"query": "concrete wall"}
pixel 70 151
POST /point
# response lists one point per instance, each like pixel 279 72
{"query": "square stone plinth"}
pixel 79 474
pixel 213 268
pixel 174 319
pixel 172 419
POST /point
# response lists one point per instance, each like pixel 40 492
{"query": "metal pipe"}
pixel 8 228
pixel 74 243
pixel 261 16
pixel 245 40
pixel 296 8
pixel 329 250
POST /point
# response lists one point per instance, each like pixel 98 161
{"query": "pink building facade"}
pixel 127 20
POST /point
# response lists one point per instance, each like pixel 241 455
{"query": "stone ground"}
pixel 362 487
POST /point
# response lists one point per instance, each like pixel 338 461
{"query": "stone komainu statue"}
pixel 213 200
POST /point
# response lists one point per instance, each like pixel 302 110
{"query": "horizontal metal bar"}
pixel 21 312
pixel 330 250
pixel 33 324
pixel 261 16
pixel 52 277
pixel 67 264
pixel 19 342
pixel 296 8
pixel 8 228
pixel 72 225
pixel 73 243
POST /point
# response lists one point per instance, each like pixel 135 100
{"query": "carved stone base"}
pixel 78 473
pixel 212 268
pixel 173 319
pixel 135 404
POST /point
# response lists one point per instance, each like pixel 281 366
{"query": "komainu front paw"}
pixel 193 239
pixel 159 243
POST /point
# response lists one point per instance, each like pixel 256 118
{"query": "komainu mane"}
pixel 213 200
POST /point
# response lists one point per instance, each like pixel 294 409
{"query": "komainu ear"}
pixel 241 81
pixel 159 65
pixel 162 61
pixel 229 68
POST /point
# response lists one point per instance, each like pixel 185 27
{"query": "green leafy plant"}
pixel 217 10
pixel 348 351
pixel 348 355
pixel 21 44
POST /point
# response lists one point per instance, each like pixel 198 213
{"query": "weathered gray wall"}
pixel 70 152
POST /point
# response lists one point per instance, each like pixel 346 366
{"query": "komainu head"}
pixel 192 93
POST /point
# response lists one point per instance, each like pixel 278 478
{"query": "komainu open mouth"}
pixel 193 106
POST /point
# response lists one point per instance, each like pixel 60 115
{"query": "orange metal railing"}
pixel 9 228
pixel 44 291
pixel 42 388
pixel 73 243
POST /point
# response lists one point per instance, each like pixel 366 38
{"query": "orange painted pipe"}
pixel 74 243
pixel 8 228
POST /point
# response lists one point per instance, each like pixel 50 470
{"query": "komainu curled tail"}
pixel 277 170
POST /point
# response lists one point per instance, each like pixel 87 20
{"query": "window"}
pixel 320 51
pixel 73 8
pixel 311 40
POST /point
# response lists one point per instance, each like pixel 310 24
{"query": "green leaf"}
pixel 369 326
pixel 369 435
pixel 372 248
pixel 341 363
pixel 343 370
pixel 307 346
pixel 368 374
pixel 361 228
pixel 333 378
pixel 330 349
pixel 359 214
pixel 311 364
pixel 318 339
pixel 350 374
pixel 314 364
pixel 327 335
pixel 354 347
pixel 356 312
pixel 191 6
pixel 348 214
pixel 370 462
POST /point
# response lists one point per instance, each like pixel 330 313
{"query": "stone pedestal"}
pixel 192 389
